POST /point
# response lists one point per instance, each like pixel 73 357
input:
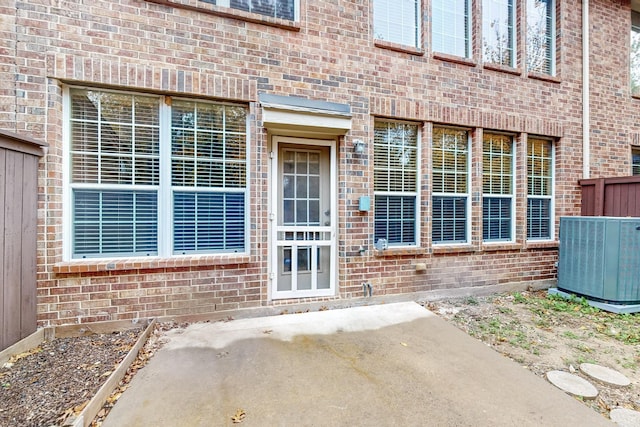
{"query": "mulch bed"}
pixel 48 384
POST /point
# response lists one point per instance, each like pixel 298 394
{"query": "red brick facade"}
pixel 194 49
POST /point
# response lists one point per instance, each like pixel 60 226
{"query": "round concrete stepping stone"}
pixel 625 417
pixel 572 384
pixel 605 375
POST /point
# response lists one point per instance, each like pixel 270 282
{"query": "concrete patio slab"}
pixel 385 365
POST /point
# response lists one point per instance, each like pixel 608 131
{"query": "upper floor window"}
pixel 635 53
pixel 397 21
pixel 147 178
pixel 635 161
pixel 450 170
pixel 497 187
pixel 451 27
pixel 539 188
pixel 284 9
pixel 541 36
pixel 396 182
pixel 498 32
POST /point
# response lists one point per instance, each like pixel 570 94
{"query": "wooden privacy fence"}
pixel 18 221
pixel 611 196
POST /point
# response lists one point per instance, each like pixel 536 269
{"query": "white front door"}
pixel 303 236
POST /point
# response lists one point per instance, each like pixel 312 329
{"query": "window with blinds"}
pixel 396 182
pixel 283 9
pixel 634 51
pixel 450 171
pixel 541 36
pixel 635 161
pixel 497 187
pixel 117 146
pixel 397 21
pixel 498 32
pixel 539 188
pixel 451 27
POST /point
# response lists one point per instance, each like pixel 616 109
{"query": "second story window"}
pixel 635 53
pixel 451 27
pixel 498 32
pixel 397 21
pixel 283 9
pixel 540 36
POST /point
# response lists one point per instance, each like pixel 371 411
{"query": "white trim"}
pixel 278 119
pixel 164 188
pixel 165 194
pixel 551 197
pixel 586 112
pixel 274 294
pixel 67 209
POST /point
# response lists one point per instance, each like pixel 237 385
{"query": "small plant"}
pixel 519 298
pixel 471 301
pixel 570 335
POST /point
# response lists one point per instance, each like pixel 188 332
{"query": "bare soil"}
pixel 544 333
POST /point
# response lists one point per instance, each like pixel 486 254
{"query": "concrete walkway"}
pixel 384 365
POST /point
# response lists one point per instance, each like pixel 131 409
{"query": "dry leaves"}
pixel 239 416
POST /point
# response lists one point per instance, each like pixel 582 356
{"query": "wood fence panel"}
pixel 4 342
pixel 618 197
pixel 28 309
pixel 18 233
pixel 12 245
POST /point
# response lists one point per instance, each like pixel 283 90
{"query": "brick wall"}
pixel 190 48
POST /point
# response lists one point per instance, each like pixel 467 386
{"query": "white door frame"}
pixel 276 142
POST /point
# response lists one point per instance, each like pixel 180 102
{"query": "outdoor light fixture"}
pixel 358 146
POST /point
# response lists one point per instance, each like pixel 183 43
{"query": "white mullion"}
pixel 314 267
pixel 294 267
pixel 165 200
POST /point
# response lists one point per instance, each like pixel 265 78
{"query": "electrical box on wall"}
pixel 364 204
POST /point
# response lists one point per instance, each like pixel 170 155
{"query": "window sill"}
pixel 180 261
pixel 542 244
pixel 456 59
pixel 227 12
pixel 442 249
pixel 398 47
pixel 503 68
pixel 391 252
pixel 501 246
pixel 544 77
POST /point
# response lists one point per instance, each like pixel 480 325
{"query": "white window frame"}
pixel 447 35
pixel 550 197
pixel 381 17
pixel 227 3
pixel 635 161
pixel 511 196
pixel 551 54
pixel 512 31
pixel 165 189
pixel 634 57
pixel 415 194
pixel 466 195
